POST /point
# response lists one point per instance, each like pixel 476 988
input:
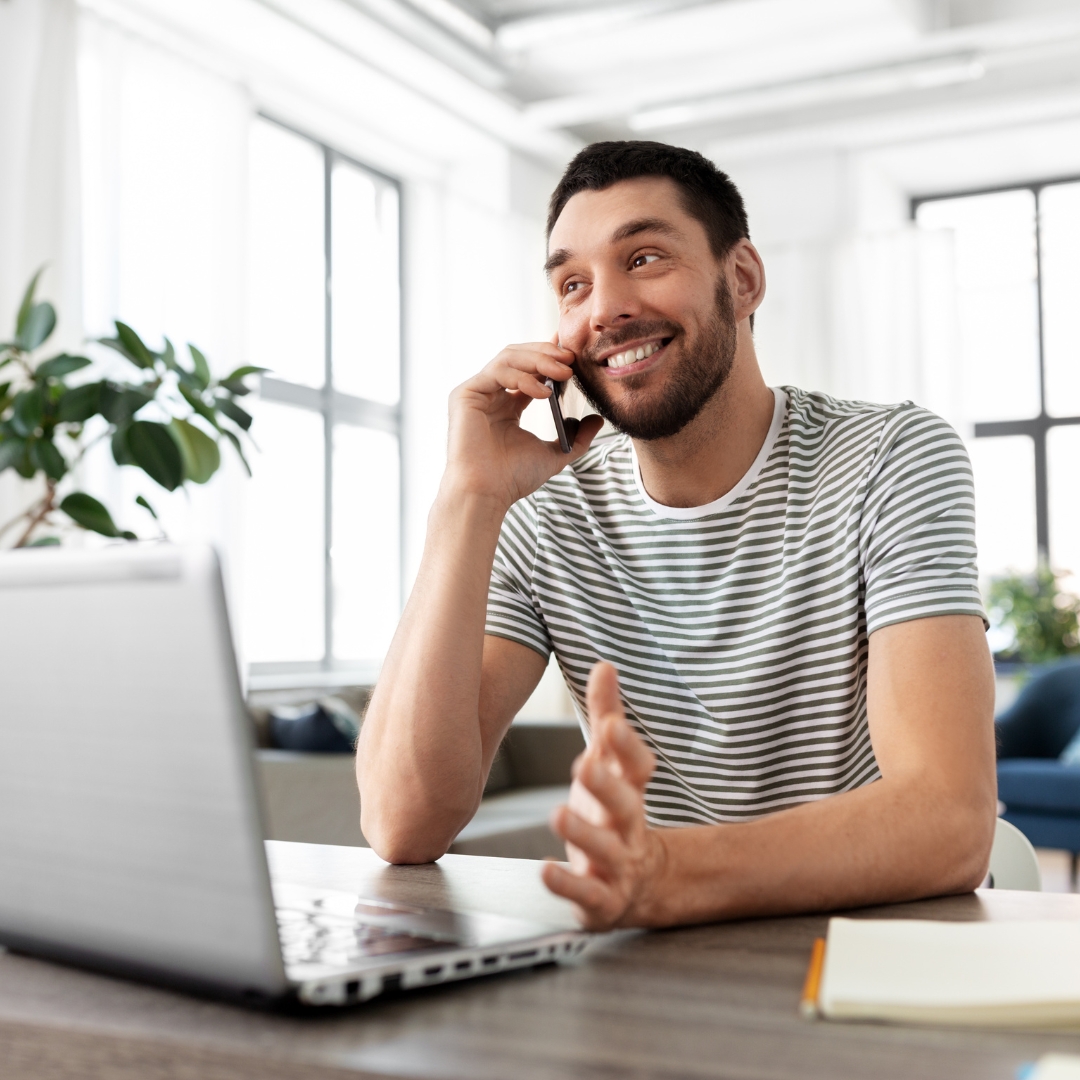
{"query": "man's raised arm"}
pixel 446 694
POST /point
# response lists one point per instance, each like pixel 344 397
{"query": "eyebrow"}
pixel 632 228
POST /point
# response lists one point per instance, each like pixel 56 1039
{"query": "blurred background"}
pixel 351 193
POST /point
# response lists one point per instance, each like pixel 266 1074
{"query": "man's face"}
pixel 644 305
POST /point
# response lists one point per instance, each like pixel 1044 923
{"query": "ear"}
pixel 746 277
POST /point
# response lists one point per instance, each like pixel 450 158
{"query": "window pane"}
pixel 1004 504
pixel 364 268
pixel 287 272
pixel 997 299
pixel 1059 213
pixel 366 542
pixel 1063 469
pixel 283 564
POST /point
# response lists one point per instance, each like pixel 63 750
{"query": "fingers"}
pixel 613 737
pixel 602 692
pixel 615 793
pixel 602 847
pixel 636 759
pixel 523 368
pixel 598 904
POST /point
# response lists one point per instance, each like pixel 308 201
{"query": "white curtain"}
pixel 871 318
pixel 164 160
pixel 39 177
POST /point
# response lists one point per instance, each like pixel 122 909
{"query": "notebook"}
pixel 979 973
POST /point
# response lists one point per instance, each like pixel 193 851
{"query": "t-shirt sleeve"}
pixel 918 525
pixel 512 611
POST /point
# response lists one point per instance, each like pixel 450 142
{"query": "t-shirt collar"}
pixel 689 513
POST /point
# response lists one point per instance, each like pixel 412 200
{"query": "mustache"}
pixel 640 328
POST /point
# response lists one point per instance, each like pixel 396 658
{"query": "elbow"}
pixel 400 844
pixel 966 853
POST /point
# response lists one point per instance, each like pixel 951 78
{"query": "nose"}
pixel 612 301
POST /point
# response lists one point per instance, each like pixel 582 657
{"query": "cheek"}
pixel 574 328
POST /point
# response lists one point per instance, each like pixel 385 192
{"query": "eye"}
pixel 572 286
pixel 643 260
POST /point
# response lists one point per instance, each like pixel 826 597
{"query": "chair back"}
pixel 1013 862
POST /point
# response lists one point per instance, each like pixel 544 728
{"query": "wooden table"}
pixel 711 1001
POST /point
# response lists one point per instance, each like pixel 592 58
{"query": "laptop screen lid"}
pixel 129 829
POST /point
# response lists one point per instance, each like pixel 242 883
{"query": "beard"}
pixel 695 379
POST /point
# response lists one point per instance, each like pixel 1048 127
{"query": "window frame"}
pixel 336 407
pixel 1037 427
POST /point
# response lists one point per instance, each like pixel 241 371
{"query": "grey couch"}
pixel 313 797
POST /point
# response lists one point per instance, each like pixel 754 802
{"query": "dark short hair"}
pixel 708 195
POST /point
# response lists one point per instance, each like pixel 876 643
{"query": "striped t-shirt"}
pixel 740 629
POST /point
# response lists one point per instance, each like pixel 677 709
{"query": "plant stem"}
pixel 40 513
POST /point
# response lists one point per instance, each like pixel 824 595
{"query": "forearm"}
pixel 421 757
pixel 886 842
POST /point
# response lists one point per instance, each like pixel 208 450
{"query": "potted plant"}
pixel 166 418
pixel 1037 622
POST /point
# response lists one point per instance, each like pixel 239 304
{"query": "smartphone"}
pixel 557 415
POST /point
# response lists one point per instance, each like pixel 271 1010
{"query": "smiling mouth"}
pixel 635 354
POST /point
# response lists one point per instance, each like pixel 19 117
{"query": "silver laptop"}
pixel 130 831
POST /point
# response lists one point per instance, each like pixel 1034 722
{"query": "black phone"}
pixel 561 423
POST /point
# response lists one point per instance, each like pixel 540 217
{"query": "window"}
pixel 1017 266
pixel 322 585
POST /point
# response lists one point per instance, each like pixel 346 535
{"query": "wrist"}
pixel 458 507
pixel 653 905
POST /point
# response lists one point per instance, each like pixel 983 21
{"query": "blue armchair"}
pixel 1041 793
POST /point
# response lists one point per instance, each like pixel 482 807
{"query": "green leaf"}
pixel 238 416
pixel 45 541
pixel 11 452
pixel 86 511
pixel 246 369
pixel 59 366
pixel 134 345
pixel 234 386
pixel 79 403
pixel 169 356
pixel 199 452
pixel 156 453
pixel 28 412
pixel 202 368
pixel 200 406
pixel 129 344
pixel 40 323
pixel 25 467
pixel 27 303
pixel 146 506
pixel 121 452
pixel 120 404
pixel 239 450
pixel 45 456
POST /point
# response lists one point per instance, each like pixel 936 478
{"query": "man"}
pixel 765 602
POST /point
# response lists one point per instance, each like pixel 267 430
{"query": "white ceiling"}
pixel 698 71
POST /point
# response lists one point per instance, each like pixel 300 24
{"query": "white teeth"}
pixel 632 355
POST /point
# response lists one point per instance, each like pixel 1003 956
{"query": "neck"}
pixel 705 460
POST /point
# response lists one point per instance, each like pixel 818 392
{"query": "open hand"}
pixel 490 454
pixel 616 862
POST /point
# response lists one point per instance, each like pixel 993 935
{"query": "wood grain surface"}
pixel 713 1001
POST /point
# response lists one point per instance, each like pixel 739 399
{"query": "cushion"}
pixel 1044 718
pixel 1039 785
